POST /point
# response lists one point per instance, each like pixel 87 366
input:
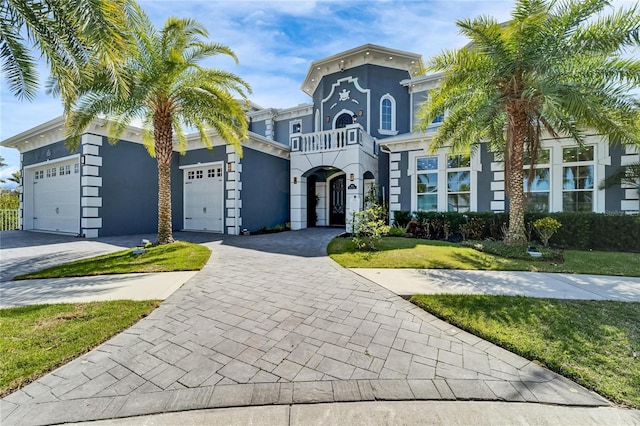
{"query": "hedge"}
pixel 580 231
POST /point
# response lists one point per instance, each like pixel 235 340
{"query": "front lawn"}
pixel 36 339
pixel 397 252
pixel 178 256
pixel 595 343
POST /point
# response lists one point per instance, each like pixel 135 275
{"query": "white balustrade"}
pixel 330 140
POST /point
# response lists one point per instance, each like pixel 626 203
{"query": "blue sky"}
pixel 276 41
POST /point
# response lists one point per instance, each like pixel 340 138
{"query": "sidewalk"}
pixel 391 412
pixel 406 282
pixel 92 289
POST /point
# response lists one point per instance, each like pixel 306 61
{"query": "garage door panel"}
pixel 203 201
pixel 56 197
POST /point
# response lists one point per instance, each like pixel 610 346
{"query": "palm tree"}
pixel 169 92
pixel 69 34
pixel 558 67
pixel 15 177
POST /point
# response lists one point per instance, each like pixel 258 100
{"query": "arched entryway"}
pixel 343 120
pixel 326 196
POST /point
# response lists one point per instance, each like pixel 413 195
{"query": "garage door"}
pixel 203 198
pixel 56 197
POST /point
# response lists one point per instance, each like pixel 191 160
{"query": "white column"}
pixel 90 184
pixel 298 190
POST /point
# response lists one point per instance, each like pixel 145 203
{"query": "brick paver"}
pixel 272 320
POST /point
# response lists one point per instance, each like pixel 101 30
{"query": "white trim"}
pixel 317 121
pixel 356 84
pixel 54 161
pixel 211 163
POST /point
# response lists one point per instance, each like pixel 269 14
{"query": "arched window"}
pixel 387 115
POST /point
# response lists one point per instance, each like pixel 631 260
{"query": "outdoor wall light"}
pixel 360 113
pixel 295 180
pixel 82 159
pixel 228 167
pixel 351 177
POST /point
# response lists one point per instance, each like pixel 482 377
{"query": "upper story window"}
pixel 295 126
pixel 387 115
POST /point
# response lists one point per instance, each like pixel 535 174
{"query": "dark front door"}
pixel 311 202
pixel 338 200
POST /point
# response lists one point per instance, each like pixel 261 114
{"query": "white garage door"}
pixel 56 197
pixel 203 198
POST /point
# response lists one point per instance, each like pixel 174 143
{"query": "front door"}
pixel 338 201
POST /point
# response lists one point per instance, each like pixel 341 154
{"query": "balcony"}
pixel 333 140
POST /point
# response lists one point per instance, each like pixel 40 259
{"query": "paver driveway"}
pixel 272 320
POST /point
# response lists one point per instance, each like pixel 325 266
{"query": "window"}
pixel 67 169
pixel 438 119
pixel 387 115
pixel 577 179
pixel 295 126
pixel 211 173
pixel 49 172
pixel 199 174
pixel 191 175
pixel 76 168
pixel 459 183
pixel 537 197
pixel 61 170
pixel 53 172
pixel 427 183
pixel 219 172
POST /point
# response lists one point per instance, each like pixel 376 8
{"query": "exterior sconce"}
pixel 228 167
pixel 360 113
pixel 354 117
pixel 351 177
pixel 328 118
pixel 82 159
pixel 295 180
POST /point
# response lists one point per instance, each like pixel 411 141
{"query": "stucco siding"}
pixel 50 152
pixel 130 190
pixel 265 190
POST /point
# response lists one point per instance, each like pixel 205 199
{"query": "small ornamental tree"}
pixel 546 227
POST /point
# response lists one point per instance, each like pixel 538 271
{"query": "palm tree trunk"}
pixel 164 150
pixel 515 188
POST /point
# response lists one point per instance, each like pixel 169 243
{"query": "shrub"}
pixel 398 231
pixel 546 227
pixel 369 226
pixel 402 217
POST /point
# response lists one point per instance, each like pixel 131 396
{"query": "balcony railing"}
pixel 331 140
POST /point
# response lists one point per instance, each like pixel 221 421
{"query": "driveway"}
pixel 272 320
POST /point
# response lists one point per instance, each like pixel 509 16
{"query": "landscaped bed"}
pixel 398 252
pixel 178 256
pixel 595 343
pixel 36 339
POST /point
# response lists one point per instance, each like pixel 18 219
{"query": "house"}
pixel 310 165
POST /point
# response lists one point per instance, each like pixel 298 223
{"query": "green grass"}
pixel 395 252
pixel 178 256
pixel 36 339
pixel 595 343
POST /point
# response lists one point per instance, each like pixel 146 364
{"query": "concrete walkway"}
pixel 271 320
pixel 391 413
pixel 407 282
pixel 92 289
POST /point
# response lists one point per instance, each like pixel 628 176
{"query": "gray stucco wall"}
pixel 380 81
pixel 405 182
pixel 55 150
pixel 130 190
pixel 203 155
pixel 258 127
pixel 383 175
pixel 485 177
pixel 283 126
pixel 265 190
pixel 615 194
